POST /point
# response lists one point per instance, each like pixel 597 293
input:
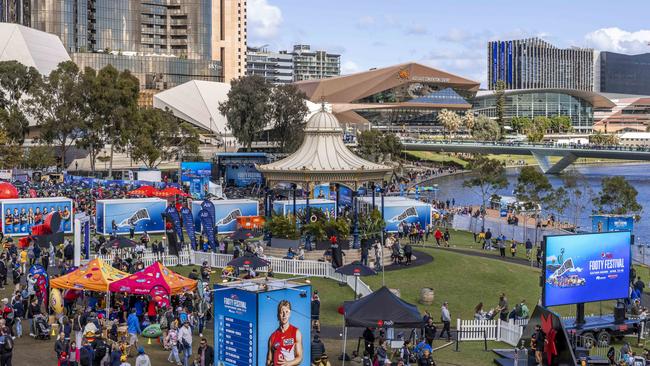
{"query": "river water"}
pixel 638 175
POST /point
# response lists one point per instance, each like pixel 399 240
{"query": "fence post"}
pixel 498 332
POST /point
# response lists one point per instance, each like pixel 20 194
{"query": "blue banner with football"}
pixel 226 213
pixel 117 216
pixel 207 224
pixel 586 268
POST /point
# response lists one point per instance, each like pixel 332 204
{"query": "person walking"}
pixel 317 349
pixel 446 236
pixel 143 358
pixel 133 327
pixel 502 247
pixel 205 354
pixel 6 345
pixel 185 339
pixel 438 236
pixel 408 253
pixel 487 244
pixel 429 331
pixel 529 248
pixel 171 341
pixel 445 315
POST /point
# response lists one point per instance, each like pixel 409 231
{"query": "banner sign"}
pixel 186 214
pixel 176 221
pixel 207 225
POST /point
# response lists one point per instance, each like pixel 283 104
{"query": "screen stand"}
pixel 580 315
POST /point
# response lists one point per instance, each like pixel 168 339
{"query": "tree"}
pixel 158 135
pixel 579 194
pixel 533 188
pixel 604 139
pixel 247 109
pixel 486 129
pixel 449 120
pixel 92 139
pixel 500 95
pixel 617 197
pixel 39 157
pixel 468 121
pixel 538 128
pixel 115 104
pixel 288 111
pixel 561 124
pixel 521 125
pixel 488 176
pixel 58 104
pixel 16 84
pixel 373 143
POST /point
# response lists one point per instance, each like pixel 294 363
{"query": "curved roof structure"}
pixel 349 88
pixel 597 100
pixel 196 102
pixel 31 47
pixel 323 157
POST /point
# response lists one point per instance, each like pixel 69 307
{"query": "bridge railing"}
pixel 636 148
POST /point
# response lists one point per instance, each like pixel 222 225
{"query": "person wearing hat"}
pixel 143 358
pixel 317 349
pixel 123 361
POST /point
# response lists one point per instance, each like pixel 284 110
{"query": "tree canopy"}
pixel 248 108
pixel 288 111
pixel 617 197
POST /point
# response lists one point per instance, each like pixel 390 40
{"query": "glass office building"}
pixel 167 42
pixel 624 74
pixel 577 105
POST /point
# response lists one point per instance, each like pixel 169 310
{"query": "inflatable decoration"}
pixel 8 190
pixel 152 331
pixel 56 301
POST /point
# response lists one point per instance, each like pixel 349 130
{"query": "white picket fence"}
pixel 491 330
pixel 279 265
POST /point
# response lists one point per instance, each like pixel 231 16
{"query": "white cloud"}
pixel 349 67
pixel 264 19
pixel 366 21
pixel 619 40
pixel 417 30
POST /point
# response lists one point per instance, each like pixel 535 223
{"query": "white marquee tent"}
pixel 197 102
pixel 31 47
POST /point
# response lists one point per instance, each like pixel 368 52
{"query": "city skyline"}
pixel 401 34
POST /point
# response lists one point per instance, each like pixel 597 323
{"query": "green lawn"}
pixel 436 157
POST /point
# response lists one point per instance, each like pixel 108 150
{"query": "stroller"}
pixel 41 328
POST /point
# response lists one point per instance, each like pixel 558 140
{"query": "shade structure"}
pixel 248 262
pixel 379 308
pixel 121 243
pixel 153 277
pixel 356 269
pixel 241 234
pixel 169 192
pixel 146 191
pixel 96 275
pixel 323 158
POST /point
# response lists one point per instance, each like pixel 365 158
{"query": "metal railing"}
pixel 279 265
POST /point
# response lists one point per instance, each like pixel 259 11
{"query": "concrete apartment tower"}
pixel 229 37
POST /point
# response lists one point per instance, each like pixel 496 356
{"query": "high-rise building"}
pixel 623 74
pixel 308 64
pixel 275 67
pixel 163 42
pixel 229 36
pixel 536 64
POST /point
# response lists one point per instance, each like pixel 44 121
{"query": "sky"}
pixel 450 35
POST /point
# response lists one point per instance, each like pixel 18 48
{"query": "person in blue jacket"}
pixel 133 325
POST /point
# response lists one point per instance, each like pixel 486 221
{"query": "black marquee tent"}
pixel 379 308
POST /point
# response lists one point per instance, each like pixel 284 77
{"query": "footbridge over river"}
pixel 541 152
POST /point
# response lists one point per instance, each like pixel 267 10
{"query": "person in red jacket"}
pixel 438 236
